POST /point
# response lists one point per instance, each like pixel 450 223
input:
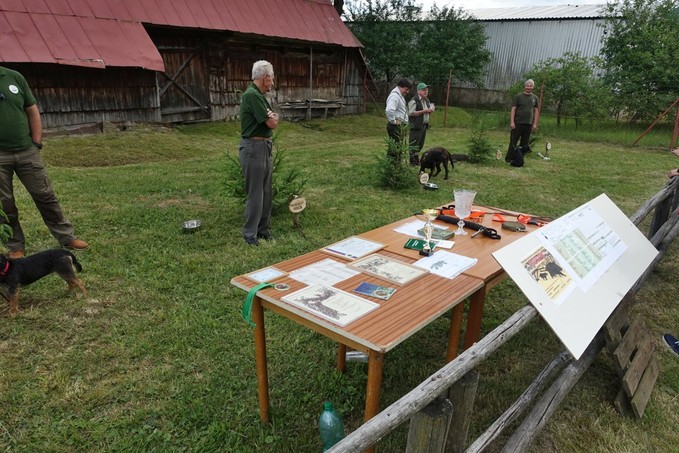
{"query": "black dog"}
pixel 15 273
pixel 434 157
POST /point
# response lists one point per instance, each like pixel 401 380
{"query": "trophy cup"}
pixel 463 207
pixel 430 215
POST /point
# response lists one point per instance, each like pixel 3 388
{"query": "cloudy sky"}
pixel 472 4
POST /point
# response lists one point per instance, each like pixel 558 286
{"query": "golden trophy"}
pixel 430 215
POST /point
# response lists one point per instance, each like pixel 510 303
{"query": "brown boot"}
pixel 77 244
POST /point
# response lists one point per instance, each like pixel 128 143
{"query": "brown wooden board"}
pixel 643 393
pixel 638 365
pixel 617 324
pixel 622 404
pixel 628 345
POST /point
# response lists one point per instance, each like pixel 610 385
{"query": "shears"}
pixel 525 219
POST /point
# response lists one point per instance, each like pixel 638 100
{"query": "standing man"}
pixel 397 110
pixel 255 152
pixel 419 109
pixel 20 145
pixel 523 118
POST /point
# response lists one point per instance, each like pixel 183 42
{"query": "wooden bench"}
pixel 305 109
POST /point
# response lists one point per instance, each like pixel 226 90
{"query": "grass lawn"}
pixel 157 358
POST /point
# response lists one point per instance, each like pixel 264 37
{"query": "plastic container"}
pixel 330 426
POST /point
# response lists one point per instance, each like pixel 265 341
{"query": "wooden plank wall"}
pixel 72 95
pixel 214 69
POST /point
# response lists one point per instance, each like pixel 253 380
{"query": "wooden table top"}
pixel 414 305
pixel 409 309
pixel 480 247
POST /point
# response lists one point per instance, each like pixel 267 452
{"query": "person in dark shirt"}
pixel 523 118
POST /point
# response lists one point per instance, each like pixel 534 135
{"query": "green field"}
pixel 157 357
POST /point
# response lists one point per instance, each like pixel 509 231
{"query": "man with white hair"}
pixel 255 152
pixel 523 119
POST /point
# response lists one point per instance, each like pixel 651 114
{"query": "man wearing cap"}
pixel 419 109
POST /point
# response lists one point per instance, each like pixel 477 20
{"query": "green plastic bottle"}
pixel 331 426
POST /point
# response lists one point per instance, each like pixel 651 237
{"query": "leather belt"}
pixel 259 138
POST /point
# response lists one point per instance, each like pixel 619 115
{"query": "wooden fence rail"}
pixel 663 229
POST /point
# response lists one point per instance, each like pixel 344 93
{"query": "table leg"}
pixel 372 392
pixel 260 358
pixel 341 357
pixel 455 332
pixel 474 316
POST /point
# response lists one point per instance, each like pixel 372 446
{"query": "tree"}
pixel 451 41
pixel 640 54
pixel 386 29
pixel 571 87
pixel 401 41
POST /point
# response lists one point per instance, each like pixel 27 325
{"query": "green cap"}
pixel 422 86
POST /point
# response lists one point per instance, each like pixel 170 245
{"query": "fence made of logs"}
pixel 440 408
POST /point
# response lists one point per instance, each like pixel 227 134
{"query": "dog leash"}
pixel 4 271
pixel 246 311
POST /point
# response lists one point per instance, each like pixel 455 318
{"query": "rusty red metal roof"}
pixel 100 33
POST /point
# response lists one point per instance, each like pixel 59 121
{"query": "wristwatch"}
pixel 38 145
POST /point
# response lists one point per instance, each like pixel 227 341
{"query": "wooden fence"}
pixel 439 409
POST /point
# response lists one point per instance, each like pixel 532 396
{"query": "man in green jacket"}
pixel 20 145
pixel 255 152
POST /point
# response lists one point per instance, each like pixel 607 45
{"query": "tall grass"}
pixel 157 357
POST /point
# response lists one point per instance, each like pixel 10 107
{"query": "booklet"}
pixel 381 292
pixel 417 244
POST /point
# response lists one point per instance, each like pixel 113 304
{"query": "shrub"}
pixel 480 149
pixel 393 169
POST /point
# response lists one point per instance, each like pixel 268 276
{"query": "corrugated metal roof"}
pixel 101 33
pixel 79 41
pixel 538 12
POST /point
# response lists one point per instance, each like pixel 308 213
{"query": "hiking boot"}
pixel 265 236
pixel 671 342
pixel 77 244
pixel 16 254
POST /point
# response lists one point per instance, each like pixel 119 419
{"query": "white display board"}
pixel 576 269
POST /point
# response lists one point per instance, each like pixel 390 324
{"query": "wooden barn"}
pixel 94 61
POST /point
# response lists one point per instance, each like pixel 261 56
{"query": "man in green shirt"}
pixel 255 152
pixel 523 118
pixel 20 145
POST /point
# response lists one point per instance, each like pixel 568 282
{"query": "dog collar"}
pixel 4 271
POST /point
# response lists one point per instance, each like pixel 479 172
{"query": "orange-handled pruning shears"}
pixel 528 220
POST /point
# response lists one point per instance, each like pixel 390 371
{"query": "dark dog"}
pixel 434 157
pixel 15 273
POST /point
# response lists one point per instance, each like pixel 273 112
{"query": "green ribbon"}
pixel 246 312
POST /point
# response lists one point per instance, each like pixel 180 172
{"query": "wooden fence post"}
pixel 462 395
pixel 429 427
pixel 662 213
